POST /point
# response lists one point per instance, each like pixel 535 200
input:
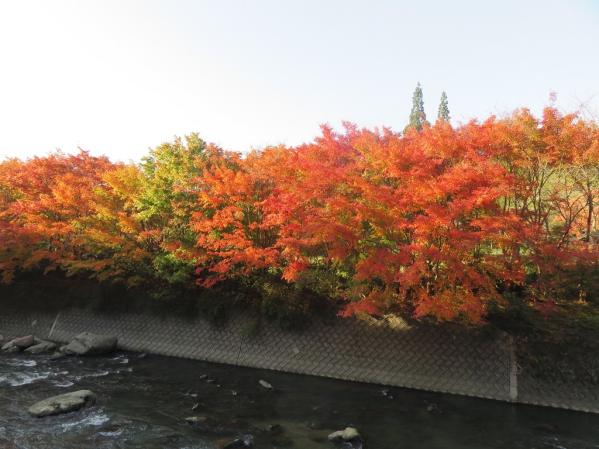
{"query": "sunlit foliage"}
pixel 438 222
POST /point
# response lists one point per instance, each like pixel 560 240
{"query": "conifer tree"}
pixel 443 113
pixel 417 115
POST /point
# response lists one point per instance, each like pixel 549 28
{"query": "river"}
pixel 143 402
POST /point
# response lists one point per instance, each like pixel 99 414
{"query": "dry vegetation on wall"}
pixel 453 223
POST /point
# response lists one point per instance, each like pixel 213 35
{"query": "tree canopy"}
pixel 448 222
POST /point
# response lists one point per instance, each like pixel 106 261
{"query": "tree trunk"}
pixel 589 238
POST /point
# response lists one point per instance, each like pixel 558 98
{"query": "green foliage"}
pixel 172 269
pixel 443 113
pixel 167 174
pixel 417 114
pixel 167 201
pixel 290 306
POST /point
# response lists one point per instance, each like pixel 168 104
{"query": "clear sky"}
pixel 117 77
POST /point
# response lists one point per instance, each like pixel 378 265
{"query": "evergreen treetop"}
pixel 417 115
pixel 443 113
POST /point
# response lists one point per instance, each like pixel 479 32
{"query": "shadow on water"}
pixel 143 403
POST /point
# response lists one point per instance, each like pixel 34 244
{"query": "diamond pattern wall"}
pixel 430 359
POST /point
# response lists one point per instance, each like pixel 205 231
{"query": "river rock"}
pixel 58 355
pixel 197 420
pixel 24 342
pixel 274 429
pixel 39 348
pixel 87 343
pixel 20 343
pixel 11 350
pixel 265 384
pixel 206 424
pixel 347 434
pixel 433 408
pixel 64 403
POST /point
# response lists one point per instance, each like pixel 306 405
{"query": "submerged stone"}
pixel 205 424
pixel 236 443
pixel 197 420
pixel 64 403
pixel 274 429
pixel 282 441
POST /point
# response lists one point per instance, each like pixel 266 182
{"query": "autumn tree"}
pixel 553 191
pixel 235 236
pixel 45 204
pixel 585 174
pixel 442 222
pixel 166 203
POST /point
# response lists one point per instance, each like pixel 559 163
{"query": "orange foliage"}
pixel 433 223
pixel 42 218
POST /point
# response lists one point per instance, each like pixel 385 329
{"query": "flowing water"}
pixel 142 403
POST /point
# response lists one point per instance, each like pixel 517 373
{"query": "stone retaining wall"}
pixel 422 358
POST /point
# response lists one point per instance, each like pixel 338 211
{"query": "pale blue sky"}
pixel 117 77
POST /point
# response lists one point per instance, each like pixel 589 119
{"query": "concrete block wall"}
pixel 422 358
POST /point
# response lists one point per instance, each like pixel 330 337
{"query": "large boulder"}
pixel 64 403
pixel 87 343
pixel 41 347
pixel 19 343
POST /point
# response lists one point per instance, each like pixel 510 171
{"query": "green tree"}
pixel 168 200
pixel 443 114
pixel 417 115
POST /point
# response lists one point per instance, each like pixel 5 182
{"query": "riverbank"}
pixel 466 362
pixel 142 402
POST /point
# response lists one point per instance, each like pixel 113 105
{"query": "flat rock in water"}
pixel 39 348
pixel 265 384
pixel 19 343
pixel 347 434
pixel 11 349
pixel 64 403
pixel 87 343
